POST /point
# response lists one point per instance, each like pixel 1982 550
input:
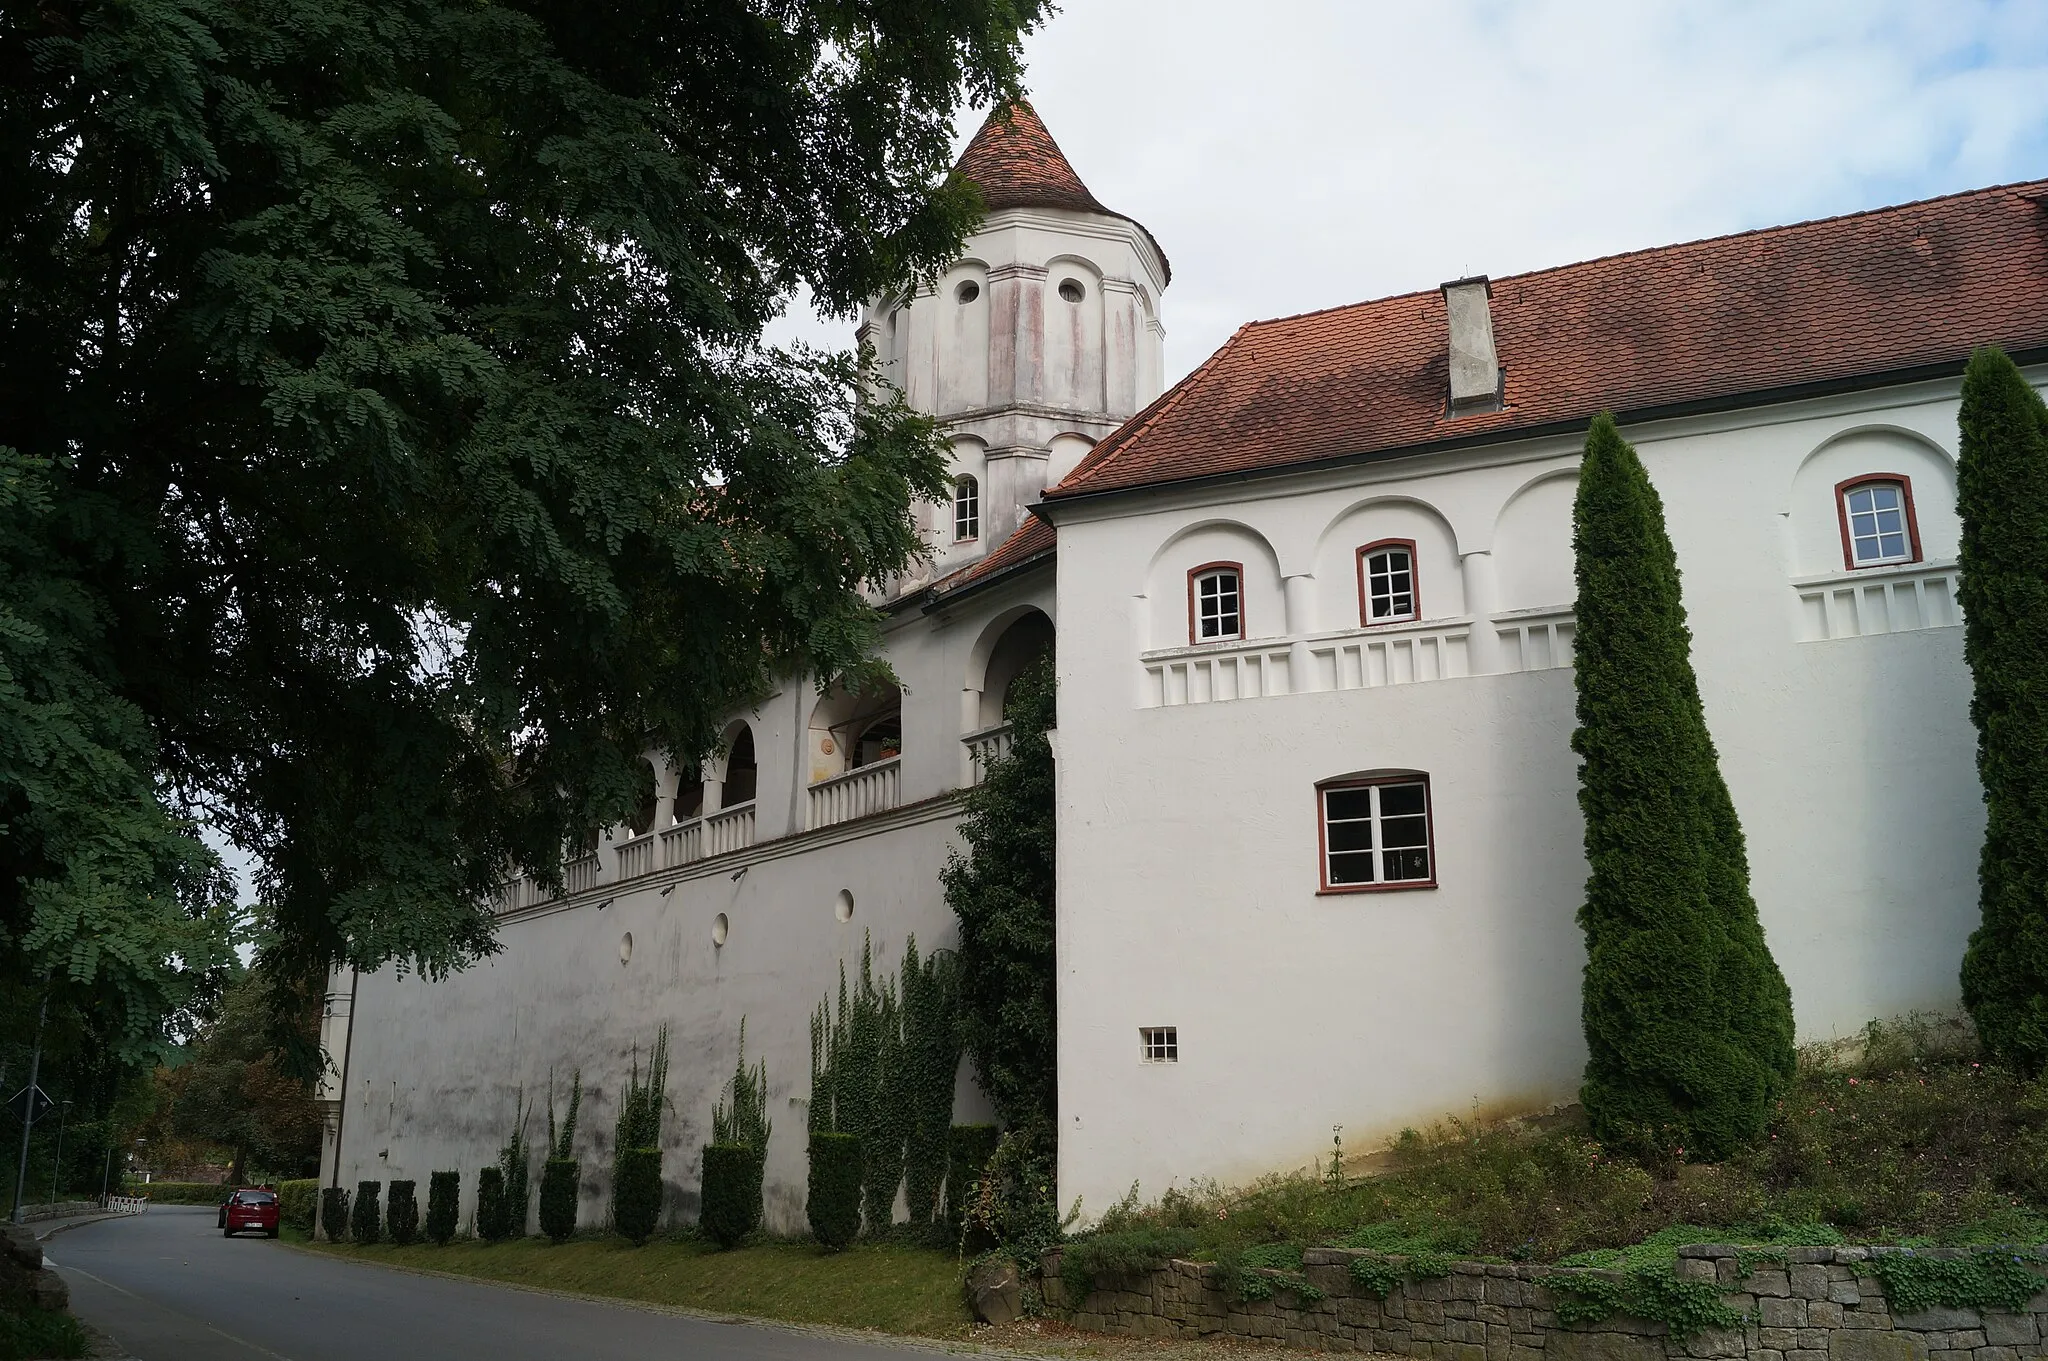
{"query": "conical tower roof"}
pixel 1015 163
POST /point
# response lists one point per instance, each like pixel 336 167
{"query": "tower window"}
pixel 1387 591
pixel 1071 290
pixel 966 510
pixel 967 292
pixel 1878 525
pixel 1376 833
pixel 1216 603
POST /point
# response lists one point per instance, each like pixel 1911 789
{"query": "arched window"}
pixel 1216 602
pixel 1878 526
pixel 741 774
pixel 1375 832
pixel 966 510
pixel 1387 589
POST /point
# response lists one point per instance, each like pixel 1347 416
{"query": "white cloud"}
pixel 1291 156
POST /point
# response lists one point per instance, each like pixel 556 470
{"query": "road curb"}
pixel 868 1336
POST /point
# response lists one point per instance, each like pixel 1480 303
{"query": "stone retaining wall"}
pixel 1821 1304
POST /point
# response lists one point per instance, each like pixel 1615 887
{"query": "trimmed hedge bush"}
pixel 365 1225
pixel 334 1214
pixel 561 1184
pixel 296 1202
pixel 493 1215
pixel 968 1150
pixel 402 1214
pixel 732 1193
pixel 636 1193
pixel 444 1206
pixel 183 1192
pixel 834 1202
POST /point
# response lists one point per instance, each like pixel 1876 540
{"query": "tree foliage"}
pixel 394 452
pixel 230 1090
pixel 1688 1021
pixel 1002 892
pixel 2004 594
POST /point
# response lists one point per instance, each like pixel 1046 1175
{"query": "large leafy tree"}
pixel 1688 1021
pixel 2001 482
pixel 389 373
pixel 232 1093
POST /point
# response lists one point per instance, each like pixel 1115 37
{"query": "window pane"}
pixel 1406 865
pixel 1892 546
pixel 1396 799
pixel 1405 831
pixel 1347 803
pixel 1350 836
pixel 1354 867
pixel 1860 501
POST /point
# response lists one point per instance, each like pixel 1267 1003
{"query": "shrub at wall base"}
pixel 296 1203
pixel 560 1183
pixel 402 1214
pixel 365 1224
pixel 732 1193
pixel 636 1193
pixel 444 1206
pixel 493 1216
pixel 834 1202
pixel 334 1214
pixel 968 1150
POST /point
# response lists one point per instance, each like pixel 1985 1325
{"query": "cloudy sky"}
pixel 1297 154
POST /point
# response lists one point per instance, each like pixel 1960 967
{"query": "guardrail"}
pixel 856 794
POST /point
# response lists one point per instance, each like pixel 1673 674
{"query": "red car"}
pixel 249 1208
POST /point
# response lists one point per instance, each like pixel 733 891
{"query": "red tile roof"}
pixel 1015 163
pixel 1032 539
pixel 1711 322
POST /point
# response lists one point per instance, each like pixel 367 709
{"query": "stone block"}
pixel 1464 1330
pixel 1778 1338
pixel 1519 1352
pixel 1491 1313
pixel 1728 1271
pixel 1995 1354
pixel 1766 1354
pixel 1426 1332
pixel 1437 1288
pixel 1814 1339
pixel 2011 1330
pixel 1574 1345
pixel 1426 1311
pixel 1770 1281
pixel 1808 1281
pixel 995 1291
pixel 1940 1318
pixel 1717 1342
pixel 1871 1345
pixel 1844 1292
pixel 1806 1356
pixel 1822 1314
pixel 1519 1320
pixel 1695 1269
pixel 1808 1256
pixel 1781 1313
pixel 1863 1320
pixel 1965 1339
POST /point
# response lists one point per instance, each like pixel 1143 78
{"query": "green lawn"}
pixel 913 1291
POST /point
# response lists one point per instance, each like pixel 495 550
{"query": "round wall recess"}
pixel 719 927
pixel 843 908
pixel 626 948
pixel 968 291
pixel 1072 290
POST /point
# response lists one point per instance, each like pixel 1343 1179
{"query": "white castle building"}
pixel 1319 843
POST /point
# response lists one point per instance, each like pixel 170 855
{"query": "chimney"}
pixel 1475 368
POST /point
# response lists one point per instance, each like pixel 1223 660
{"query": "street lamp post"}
pixel 35 1065
pixel 57 1163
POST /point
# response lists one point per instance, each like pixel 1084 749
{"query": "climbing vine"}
pixel 1994 1278
pixel 1649 1291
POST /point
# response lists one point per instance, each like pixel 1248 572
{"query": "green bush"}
pixel 2004 595
pixel 833 1204
pixel 732 1193
pixel 968 1150
pixel 560 1187
pixel 1112 1256
pixel 636 1193
pixel 334 1213
pixel 36 1333
pixel 365 1224
pixel 184 1192
pixel 1688 1021
pixel 296 1202
pixel 444 1206
pixel 493 1215
pixel 402 1214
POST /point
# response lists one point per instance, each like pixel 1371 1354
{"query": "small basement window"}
pixel 1386 583
pixel 1878 525
pixel 1162 1043
pixel 966 510
pixel 1216 603
pixel 1376 834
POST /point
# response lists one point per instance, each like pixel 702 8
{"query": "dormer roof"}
pixel 1015 163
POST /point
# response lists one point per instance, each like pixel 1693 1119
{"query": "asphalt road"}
pixel 168 1287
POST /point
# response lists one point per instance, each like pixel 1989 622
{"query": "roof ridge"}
pixel 1117 440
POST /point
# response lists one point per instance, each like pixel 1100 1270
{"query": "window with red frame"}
pixel 1376 834
pixel 1215 604
pixel 1878 526
pixel 1386 583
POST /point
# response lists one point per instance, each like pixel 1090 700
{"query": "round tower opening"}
pixel 1071 290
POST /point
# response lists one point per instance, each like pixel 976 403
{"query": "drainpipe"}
pixel 348 1049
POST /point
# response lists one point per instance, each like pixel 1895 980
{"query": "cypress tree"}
pixel 1688 1021
pixel 2004 594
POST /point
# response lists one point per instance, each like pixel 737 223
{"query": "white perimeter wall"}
pixel 1188 837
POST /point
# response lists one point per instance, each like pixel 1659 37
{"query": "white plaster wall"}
pixel 1188 854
